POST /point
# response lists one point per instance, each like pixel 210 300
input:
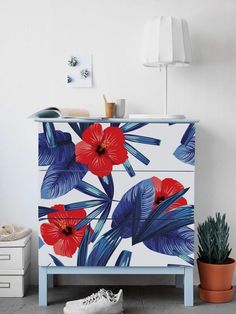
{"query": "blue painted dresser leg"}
pixel 50 281
pixel 179 281
pixel 188 286
pixel 43 286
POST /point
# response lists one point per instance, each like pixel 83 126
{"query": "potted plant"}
pixel 215 266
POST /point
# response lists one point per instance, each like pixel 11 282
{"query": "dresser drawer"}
pixel 132 203
pixel 15 257
pixel 15 285
pixel 130 146
pixel 162 249
pixel 91 193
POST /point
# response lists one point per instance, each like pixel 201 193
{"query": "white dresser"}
pixel 114 191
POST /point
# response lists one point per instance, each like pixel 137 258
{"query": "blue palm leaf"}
pixel 83 222
pixel 129 168
pixel 160 212
pixel 60 179
pixel 137 154
pixel 186 151
pixel 142 139
pixel 124 259
pixel 91 190
pixel 84 126
pixel 174 219
pixel 41 243
pixel 134 207
pixel 186 258
pixel 188 134
pixel 177 242
pixel 83 249
pixel 50 134
pixel 104 248
pixel 83 204
pixel 43 211
pixel 56 261
pixel 101 222
pixel 108 185
pixel 75 127
pixel 115 124
pixel 131 126
pixel 63 152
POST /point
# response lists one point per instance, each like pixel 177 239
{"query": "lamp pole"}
pixel 165 88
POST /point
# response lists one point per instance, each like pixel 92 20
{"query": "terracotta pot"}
pixel 216 281
pixel 216 296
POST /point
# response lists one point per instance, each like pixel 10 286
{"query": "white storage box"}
pixel 14 283
pixel 15 254
pixel 14 267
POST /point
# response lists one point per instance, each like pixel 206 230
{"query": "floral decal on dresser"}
pixel 185 152
pixel 101 149
pixel 61 232
pixel 90 231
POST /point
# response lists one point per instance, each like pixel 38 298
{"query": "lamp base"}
pixel 156 116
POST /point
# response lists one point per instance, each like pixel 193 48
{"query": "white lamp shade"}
pixel 166 42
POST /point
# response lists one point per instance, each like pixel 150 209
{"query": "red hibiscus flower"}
pixel 164 189
pixel 60 232
pixel 100 150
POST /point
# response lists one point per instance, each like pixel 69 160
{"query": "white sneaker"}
pixel 109 293
pixel 102 302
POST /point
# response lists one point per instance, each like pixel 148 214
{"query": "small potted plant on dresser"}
pixel 215 266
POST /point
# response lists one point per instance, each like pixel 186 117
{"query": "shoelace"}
pixel 94 297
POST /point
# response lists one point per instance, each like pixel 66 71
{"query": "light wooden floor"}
pixel 137 300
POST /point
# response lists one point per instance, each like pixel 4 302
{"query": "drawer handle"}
pixel 5 285
pixel 5 257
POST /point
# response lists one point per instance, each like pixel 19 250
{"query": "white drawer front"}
pixel 15 257
pixel 14 286
pixel 151 147
pixel 136 199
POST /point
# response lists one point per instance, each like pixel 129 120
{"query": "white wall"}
pixel 37 36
